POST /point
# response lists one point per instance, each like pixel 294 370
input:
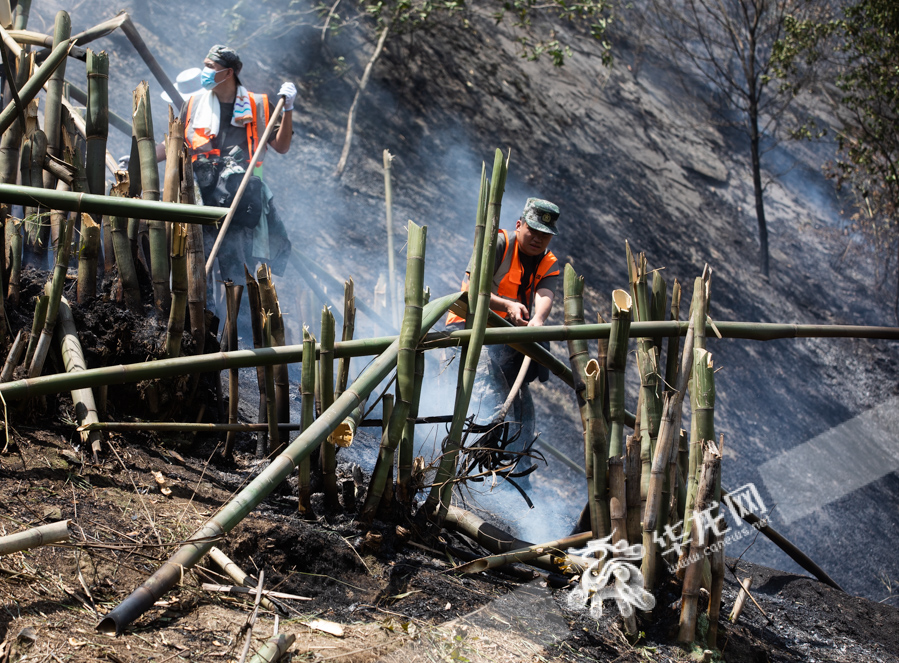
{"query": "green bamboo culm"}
pixel 672 352
pixel 307 415
pixel 326 380
pixel 647 353
pixel 34 150
pixel 405 461
pixel 269 297
pixel 176 184
pixel 478 250
pixel 616 364
pixel 410 331
pixel 23 8
pixel 657 306
pixel 171 572
pixel 37 324
pixel 88 255
pixel 441 492
pixel 596 436
pixel 578 355
pixel 124 258
pixel 149 180
pixel 233 293
pixel 268 393
pixel 62 31
pixel 58 281
pixel 34 84
pixel 698 315
pixel 96 120
pixel 349 329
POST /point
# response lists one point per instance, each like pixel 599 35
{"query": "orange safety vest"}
pixel 196 140
pixel 510 274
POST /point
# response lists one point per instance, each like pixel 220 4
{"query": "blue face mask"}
pixel 207 78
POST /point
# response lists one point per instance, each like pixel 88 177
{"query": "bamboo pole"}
pixel 196 274
pixel 657 307
pixel 578 356
pixel 672 353
pixel 34 148
pixel 85 202
pixel 525 554
pixel 256 317
pixel 632 489
pixel 80 96
pixel 478 250
pixel 617 499
pixel 178 185
pixel 405 369
pixel 391 257
pixel 258 155
pixel 34 84
pixel 269 298
pixel 57 283
pixel 73 358
pixel 271 407
pixel 326 373
pixel 35 537
pixel 62 31
pixel 131 32
pixel 23 8
pixel 122 374
pixel 596 447
pixel 274 648
pixel 233 294
pixel 88 255
pixel 711 465
pixel 240 577
pixel 745 584
pixel 307 414
pixel 96 118
pixel 406 460
pixel 149 181
pixel 442 489
pixel 42 303
pixel 122 248
pixel 14 356
pixel 616 363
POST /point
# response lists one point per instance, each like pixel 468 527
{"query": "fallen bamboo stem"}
pixel 274 648
pixel 34 537
pixel 745 584
pixel 238 575
pixel 14 357
pixel 524 554
pixel 86 202
pixel 122 374
pixel 241 590
pixel 169 574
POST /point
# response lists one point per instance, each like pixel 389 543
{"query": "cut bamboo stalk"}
pixel 498 541
pixel 79 96
pixel 326 379
pixel 35 537
pixel 711 465
pixel 23 8
pixel 256 317
pixel 15 236
pixel 307 393
pixel 14 357
pixel 149 182
pixel 672 353
pixel 406 460
pixel 233 294
pixel 73 358
pixel 271 407
pixel 717 566
pixel 88 255
pixel 745 586
pixel 130 31
pixel 274 648
pixel 241 578
pixel 58 281
pixel 391 258
pixel 616 364
pixel 632 485
pixel 596 446
pixel 349 328
pixel 62 31
pixel 196 275
pixel 123 255
pixel 96 118
pixel 387 407
pixel 34 148
pixel 559 546
pixel 85 202
pixel 656 507
pixel 178 184
pixel 441 492
pixel 657 306
pixel 269 298
pixel 617 499
pixel 578 356
pixel 480 226
pixel 41 305
pixel 405 371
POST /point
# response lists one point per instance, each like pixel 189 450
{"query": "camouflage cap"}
pixel 541 215
pixel 226 57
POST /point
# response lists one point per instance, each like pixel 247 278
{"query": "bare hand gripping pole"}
pixel 257 157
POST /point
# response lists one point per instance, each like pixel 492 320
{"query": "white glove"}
pixel 289 92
